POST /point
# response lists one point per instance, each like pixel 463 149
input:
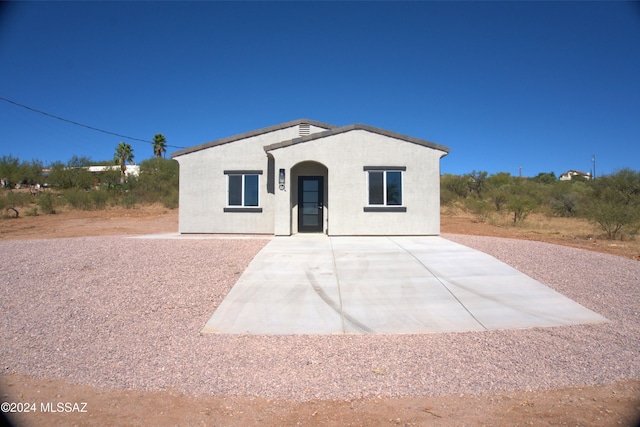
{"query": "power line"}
pixel 80 124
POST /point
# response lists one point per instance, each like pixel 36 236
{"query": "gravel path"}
pixel 125 313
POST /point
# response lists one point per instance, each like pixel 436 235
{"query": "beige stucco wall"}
pixel 203 185
pixel 345 155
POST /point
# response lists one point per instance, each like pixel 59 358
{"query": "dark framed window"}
pixel 243 188
pixel 385 187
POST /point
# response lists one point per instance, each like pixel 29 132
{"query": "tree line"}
pixel 71 184
pixel 612 202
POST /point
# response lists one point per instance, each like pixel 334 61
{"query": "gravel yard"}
pixel 126 313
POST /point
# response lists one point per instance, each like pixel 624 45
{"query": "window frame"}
pixel 385 206
pixel 242 207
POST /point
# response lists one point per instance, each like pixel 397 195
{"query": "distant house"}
pixel 569 175
pixel 131 170
pixel 308 176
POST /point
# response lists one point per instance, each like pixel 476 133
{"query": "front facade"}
pixel 308 176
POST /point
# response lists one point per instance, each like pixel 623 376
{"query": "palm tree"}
pixel 124 153
pixel 159 145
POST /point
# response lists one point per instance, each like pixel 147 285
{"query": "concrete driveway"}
pixel 315 284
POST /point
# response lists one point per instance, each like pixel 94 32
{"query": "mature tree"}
pixel 66 177
pixel 31 172
pixel 499 196
pixel 124 153
pixel 500 179
pixel 523 200
pixel 615 203
pixel 477 182
pixel 9 170
pixel 158 182
pixel 545 178
pixel 567 198
pixel 79 162
pixel 455 184
pixel 159 145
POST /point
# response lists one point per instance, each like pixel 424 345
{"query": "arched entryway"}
pixel 309 197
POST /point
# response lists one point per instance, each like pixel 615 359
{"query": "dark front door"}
pixel 310 194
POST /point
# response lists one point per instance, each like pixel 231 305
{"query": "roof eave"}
pixel 357 126
pixel 257 132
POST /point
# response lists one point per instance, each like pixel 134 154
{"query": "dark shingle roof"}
pixel 331 130
pixel 250 134
pixel 342 129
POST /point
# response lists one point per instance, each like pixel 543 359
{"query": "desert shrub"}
pixel 613 218
pixel 14 198
pixel 10 212
pixel 99 198
pixel 565 204
pixel 524 198
pixel 455 185
pixel 499 197
pixel 110 179
pixel 171 200
pixel 447 197
pixel 158 182
pixel 476 183
pixel 615 203
pixel 545 178
pixel 9 169
pixel 500 179
pixel 128 200
pixel 15 172
pixel 45 202
pixel 77 198
pixel 33 211
pixel 521 205
pixel 66 177
pixel 480 208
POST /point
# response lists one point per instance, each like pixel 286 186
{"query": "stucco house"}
pixel 569 175
pixel 308 176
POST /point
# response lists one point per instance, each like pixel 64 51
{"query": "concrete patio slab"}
pixel 315 284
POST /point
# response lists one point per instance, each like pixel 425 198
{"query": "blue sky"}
pixel 541 85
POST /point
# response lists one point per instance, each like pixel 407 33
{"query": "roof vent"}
pixel 305 129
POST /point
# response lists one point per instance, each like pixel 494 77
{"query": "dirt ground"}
pixel 607 405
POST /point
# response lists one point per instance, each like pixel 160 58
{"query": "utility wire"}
pixel 80 124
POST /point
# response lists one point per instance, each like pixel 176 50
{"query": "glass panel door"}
pixel 310 203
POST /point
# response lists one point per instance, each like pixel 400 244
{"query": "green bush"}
pixel 33 211
pixel 128 200
pixel 447 197
pixel 499 197
pixel 521 205
pixel 157 183
pixel 81 189
pixel 171 200
pixel 480 208
pixel 77 198
pixel 14 198
pixel 454 185
pixel 45 203
pixel 615 203
pixel 99 198
pixel 66 177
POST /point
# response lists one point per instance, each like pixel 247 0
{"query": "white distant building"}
pixel 132 170
pixel 569 175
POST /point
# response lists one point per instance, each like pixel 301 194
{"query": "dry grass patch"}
pixel 575 232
